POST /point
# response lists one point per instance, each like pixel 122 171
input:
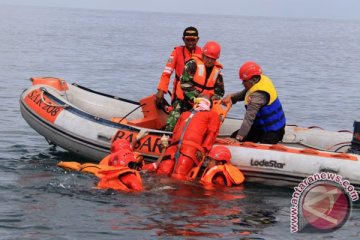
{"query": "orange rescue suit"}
pixel 179 56
pixel 119 177
pixel 198 135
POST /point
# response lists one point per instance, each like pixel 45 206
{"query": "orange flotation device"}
pixel 226 174
pixel 115 177
pixel 74 166
pixel 120 179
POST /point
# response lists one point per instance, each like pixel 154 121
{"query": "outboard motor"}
pixel 355 143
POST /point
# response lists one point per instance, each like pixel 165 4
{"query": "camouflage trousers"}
pixel 179 106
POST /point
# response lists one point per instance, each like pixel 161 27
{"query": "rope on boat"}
pixel 131 112
pixel 49 104
pixel 347 145
pixel 64 84
pixel 300 142
pixel 311 127
pixel 343 144
pixel 287 140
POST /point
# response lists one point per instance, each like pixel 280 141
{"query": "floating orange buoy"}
pixel 124 179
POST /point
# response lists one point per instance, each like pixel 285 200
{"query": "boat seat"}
pixel 154 118
pixel 120 120
pixel 151 123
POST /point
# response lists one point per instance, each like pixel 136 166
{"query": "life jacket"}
pixel 182 56
pixel 83 168
pixel 205 84
pixel 270 117
pixel 195 170
pixel 231 174
pixel 120 179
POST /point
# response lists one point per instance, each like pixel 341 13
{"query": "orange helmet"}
pixel 248 70
pixel 121 158
pixel 220 153
pixel 212 49
pixel 119 144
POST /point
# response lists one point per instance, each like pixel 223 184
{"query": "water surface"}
pixel 313 63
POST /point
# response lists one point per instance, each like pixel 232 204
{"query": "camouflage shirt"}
pixel 187 82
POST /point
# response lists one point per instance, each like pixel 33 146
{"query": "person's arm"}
pixel 212 131
pixel 258 100
pixel 151 167
pixel 238 96
pixel 143 133
pixel 219 90
pixel 187 80
pixel 163 85
pixel 234 97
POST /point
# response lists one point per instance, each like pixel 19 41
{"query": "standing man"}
pixel 264 119
pixel 179 56
pixel 201 76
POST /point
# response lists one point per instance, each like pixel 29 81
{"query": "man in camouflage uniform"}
pixel 201 76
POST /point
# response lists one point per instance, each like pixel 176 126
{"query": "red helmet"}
pixel 212 49
pixel 121 158
pixel 248 70
pixel 220 153
pixel 119 144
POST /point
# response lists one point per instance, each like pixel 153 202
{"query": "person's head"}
pixel 119 144
pixel 202 104
pixel 211 52
pixel 122 158
pixel 250 73
pixel 219 155
pixel 190 37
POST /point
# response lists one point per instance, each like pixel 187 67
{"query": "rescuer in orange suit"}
pixel 193 136
pixel 219 170
pixel 118 175
pixel 124 166
pixel 119 170
pixel 178 57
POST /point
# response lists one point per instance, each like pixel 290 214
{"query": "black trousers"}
pixel 259 136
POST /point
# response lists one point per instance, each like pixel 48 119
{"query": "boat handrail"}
pixel 43 90
pixel 105 94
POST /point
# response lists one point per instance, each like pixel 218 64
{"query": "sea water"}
pixel 315 65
